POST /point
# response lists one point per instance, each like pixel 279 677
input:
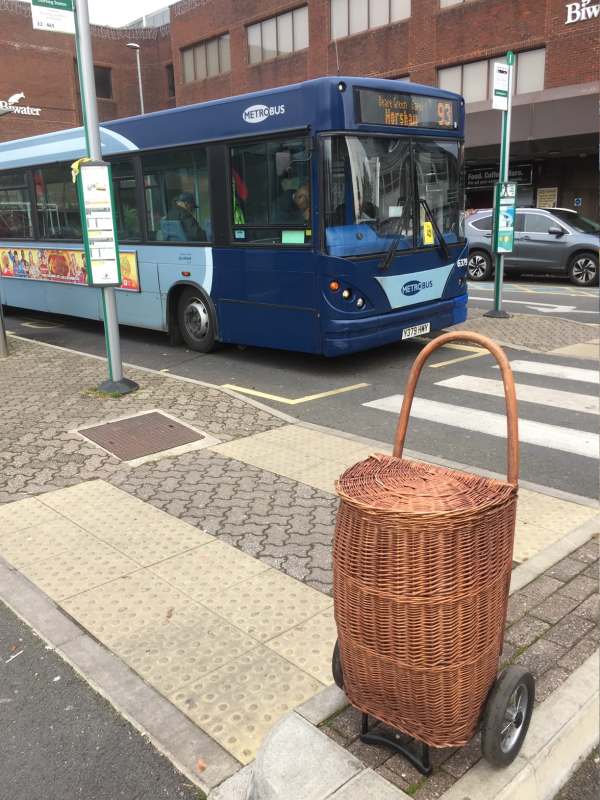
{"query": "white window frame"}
pixel 195 49
pixel 279 54
pixel 346 27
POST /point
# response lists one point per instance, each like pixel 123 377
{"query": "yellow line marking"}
pixel 294 402
pixel 457 360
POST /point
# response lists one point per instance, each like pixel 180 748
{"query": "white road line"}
pixel 554 437
pixel 556 371
pixel 570 401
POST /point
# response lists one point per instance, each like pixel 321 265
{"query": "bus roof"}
pixel 317 104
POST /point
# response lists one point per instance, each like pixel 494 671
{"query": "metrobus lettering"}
pixel 259 113
pixel 414 287
pixel 576 12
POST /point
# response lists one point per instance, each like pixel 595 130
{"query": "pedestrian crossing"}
pixel 563 437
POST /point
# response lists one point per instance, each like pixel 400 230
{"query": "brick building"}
pixel 213 48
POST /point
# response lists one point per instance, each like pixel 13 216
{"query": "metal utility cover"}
pixel 141 435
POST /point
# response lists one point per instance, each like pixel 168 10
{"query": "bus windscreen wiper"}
pixel 387 259
pixel 441 240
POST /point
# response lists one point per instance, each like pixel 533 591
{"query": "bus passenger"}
pixel 182 212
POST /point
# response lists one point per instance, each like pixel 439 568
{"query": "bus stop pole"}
pixel 91 124
pixel 498 311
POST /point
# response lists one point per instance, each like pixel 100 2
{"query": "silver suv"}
pixel 546 241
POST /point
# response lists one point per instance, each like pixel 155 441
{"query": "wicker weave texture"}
pixel 421 578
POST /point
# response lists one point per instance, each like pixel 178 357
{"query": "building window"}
pixel 103 79
pixel 15 207
pixel 170 80
pixel 278 36
pixel 354 16
pixel 206 59
pixel 446 3
pixel 475 80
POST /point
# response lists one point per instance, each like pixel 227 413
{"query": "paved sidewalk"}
pixel 547 334
pixel 208 572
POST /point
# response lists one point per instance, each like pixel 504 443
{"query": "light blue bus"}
pixel 324 217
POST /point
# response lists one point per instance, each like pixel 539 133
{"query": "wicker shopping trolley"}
pixel 422 564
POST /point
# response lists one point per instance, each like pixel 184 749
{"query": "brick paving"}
pixel 530 330
pixel 552 628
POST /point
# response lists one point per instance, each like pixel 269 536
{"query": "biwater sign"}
pixel 577 12
pixel 11 105
pixel 53 15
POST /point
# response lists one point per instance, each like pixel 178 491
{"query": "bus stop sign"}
pixel 504 217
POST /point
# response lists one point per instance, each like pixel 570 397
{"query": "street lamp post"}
pixel 3 342
pixel 136 47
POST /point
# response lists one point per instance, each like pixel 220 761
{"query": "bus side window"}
pixel 177 197
pixel 126 211
pixel 56 203
pixel 15 206
pixel 270 183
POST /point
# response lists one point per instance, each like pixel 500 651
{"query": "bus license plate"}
pixel 416 330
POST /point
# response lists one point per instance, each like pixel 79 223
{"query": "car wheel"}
pixel 583 269
pixel 479 267
pixel 196 320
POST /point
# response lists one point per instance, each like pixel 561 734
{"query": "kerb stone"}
pixel 297 760
pixel 369 785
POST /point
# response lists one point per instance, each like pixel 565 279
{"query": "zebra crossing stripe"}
pixel 556 371
pixel 553 437
pixel 570 401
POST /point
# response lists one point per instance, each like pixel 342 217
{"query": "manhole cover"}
pixel 143 435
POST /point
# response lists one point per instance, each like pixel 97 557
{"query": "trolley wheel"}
pixel 336 666
pixel 507 715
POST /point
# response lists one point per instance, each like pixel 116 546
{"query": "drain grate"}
pixel 142 435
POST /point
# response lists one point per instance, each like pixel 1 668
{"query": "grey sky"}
pixel 117 12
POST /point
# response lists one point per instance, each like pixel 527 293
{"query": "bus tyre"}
pixel 479 267
pixel 583 269
pixel 196 320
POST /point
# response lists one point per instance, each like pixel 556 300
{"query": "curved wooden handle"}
pixel 512 421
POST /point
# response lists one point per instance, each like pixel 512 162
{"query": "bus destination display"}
pixel 406 110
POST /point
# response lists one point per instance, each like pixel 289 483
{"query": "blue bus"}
pixel 323 217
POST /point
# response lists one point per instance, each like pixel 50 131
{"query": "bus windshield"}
pixel 374 188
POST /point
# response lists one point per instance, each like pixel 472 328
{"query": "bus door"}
pixel 265 278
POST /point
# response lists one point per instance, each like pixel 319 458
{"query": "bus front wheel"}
pixel 196 320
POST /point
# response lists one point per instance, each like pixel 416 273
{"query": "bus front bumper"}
pixel 341 337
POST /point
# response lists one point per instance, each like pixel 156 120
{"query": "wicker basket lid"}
pixel 389 484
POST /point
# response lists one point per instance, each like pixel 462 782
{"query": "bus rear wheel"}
pixel 196 320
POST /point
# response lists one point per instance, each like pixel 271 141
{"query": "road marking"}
pixel 554 437
pixel 570 401
pixel 555 371
pixel 41 325
pixel 458 360
pixel 294 402
pixel 544 308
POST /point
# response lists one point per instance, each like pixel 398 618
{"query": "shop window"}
pixel 206 59
pixel 126 209
pixel 177 197
pixel 56 203
pixel 354 16
pixel 278 36
pixel 271 192
pixel 170 80
pixel 15 206
pixel 103 80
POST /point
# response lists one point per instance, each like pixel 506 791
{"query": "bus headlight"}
pixel 360 302
pixel 347 294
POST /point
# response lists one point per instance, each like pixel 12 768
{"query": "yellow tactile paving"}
pixel 89 564
pixel 208 570
pixel 310 645
pixel 25 514
pixel 119 609
pixel 268 604
pixel 174 656
pixel 239 703
pixel 138 530
pixel 302 454
pixel 551 512
pixel 41 541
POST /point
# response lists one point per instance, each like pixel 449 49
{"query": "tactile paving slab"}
pixel 268 604
pixel 240 702
pixel 142 435
pixel 310 645
pixel 25 514
pixel 42 541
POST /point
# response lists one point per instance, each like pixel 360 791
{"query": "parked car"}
pixel 546 241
